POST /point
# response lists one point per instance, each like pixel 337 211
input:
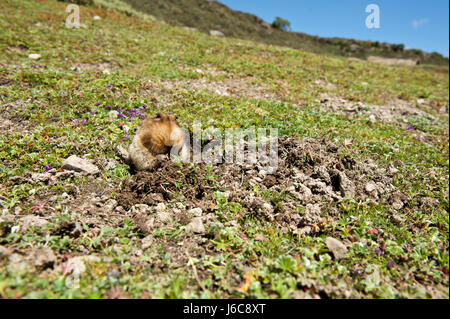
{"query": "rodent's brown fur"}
pixel 156 136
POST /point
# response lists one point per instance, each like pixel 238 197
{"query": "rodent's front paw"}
pixel 162 157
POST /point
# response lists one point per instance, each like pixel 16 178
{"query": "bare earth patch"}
pixel 398 111
pixel 312 176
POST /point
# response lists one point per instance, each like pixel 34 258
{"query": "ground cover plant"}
pixel 358 207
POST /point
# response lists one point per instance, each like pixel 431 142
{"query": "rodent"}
pixel 156 136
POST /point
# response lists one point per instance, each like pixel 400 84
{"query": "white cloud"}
pixel 418 23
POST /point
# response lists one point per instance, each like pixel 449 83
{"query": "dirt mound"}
pixel 301 196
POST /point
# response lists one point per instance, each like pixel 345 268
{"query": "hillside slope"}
pixel 207 15
pixel 358 207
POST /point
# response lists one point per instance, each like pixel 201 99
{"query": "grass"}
pixel 213 15
pixel 50 101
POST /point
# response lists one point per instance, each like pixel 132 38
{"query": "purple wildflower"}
pixel 108 107
pixel 108 86
pixel 141 108
pixel 77 87
pixel 142 116
pixel 120 116
pixel 40 65
pixel 410 128
pixel 97 104
pixel 378 251
pixel 47 168
pixel 133 110
pixel 84 121
pixel 54 137
pixel 62 93
pixel 126 136
pixel 391 264
pixel 76 122
pixel 92 113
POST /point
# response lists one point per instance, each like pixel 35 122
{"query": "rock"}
pixel 160 207
pixel 346 186
pixel 34 56
pixel 196 226
pixel 140 209
pixel 111 164
pixel 372 118
pixel 216 33
pixel 147 242
pixel 336 247
pixel 77 265
pixel 260 237
pixel 371 187
pixel 17 264
pixel 96 18
pixel 189 29
pixel 77 164
pixel 43 258
pixel 29 221
pixel 163 217
pixel 110 204
pixel 40 177
pixel 112 115
pixel 197 212
pixel 311 216
pixel 123 154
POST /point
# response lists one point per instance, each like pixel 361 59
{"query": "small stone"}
pixel 43 258
pixel 77 164
pixel 29 221
pixel 160 207
pixel 34 56
pixel 40 177
pixel 196 212
pixel 96 18
pixel 336 247
pixel 139 209
pixel 372 118
pixel 216 33
pixel 77 265
pixel 398 204
pixel 123 154
pixel 112 115
pixel 17 264
pixel 110 204
pixel 196 226
pixel 163 216
pixel 260 237
pixel 370 187
pixel 346 186
pixel 147 242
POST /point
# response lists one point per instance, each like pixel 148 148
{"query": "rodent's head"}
pixel 174 131
pixel 169 119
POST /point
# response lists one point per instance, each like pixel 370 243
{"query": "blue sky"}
pixel 421 24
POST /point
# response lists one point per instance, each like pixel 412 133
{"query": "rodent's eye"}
pixel 158 115
pixel 176 117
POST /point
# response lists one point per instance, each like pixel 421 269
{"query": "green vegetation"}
pixel 281 23
pixel 207 15
pixel 60 105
